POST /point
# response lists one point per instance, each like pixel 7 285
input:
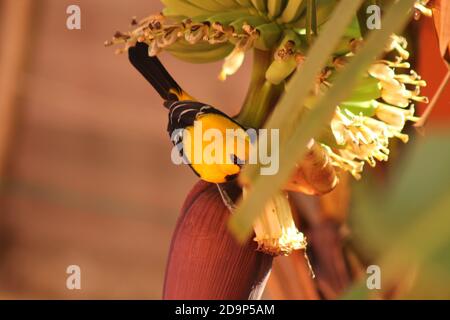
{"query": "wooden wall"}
pixel 89 179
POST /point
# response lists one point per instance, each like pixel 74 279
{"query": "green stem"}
pixel 267 98
pixel 261 95
pixel 314 18
pixel 362 16
pixel 311 20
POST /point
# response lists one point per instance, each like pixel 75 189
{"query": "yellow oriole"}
pixel 186 114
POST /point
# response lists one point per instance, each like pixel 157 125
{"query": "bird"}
pixel 185 114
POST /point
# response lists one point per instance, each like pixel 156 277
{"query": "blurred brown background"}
pixel 86 173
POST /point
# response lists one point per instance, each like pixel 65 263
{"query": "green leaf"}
pixel 410 227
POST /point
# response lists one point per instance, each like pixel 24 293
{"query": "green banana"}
pixel 229 4
pixel 324 8
pixel 292 11
pixel 353 30
pixel 282 67
pixel 279 70
pixel 200 19
pixel 183 45
pixel 181 7
pixel 253 21
pixel 260 5
pixel 209 5
pixel 275 7
pixel 201 52
pixel 290 36
pixel 368 88
pixel 169 12
pixel 269 35
pixel 226 18
pixel 362 98
pixel 366 108
pixel 244 3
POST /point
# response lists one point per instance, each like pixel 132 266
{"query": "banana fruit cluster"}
pixel 200 31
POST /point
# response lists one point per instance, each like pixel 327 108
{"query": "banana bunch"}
pixel 375 110
pixel 201 31
pixel 281 11
pixel 279 25
pixel 200 53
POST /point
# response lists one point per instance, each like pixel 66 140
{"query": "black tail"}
pixel 155 73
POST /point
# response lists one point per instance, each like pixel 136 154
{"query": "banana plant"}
pixel 338 93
